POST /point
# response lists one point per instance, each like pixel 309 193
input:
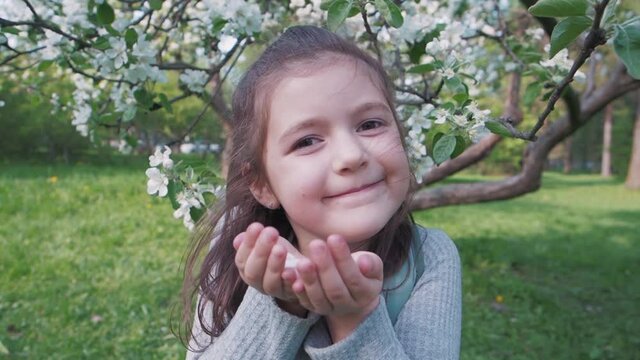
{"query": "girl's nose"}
pixel 349 155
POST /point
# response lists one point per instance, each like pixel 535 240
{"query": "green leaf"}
pixel 78 58
pixel 155 4
pixel 131 140
pixel 130 37
pixel 45 64
pixel 566 31
pixel 10 30
pixel 143 97
pixel 326 4
pixel 422 68
pixel 627 45
pixel 112 31
pixel 338 12
pixel 457 87
pixel 196 213
pixel 173 189
pixel 102 43
pixel 218 24
pixel 461 145
pixel 354 11
pixel 108 117
pixel 531 93
pixel 461 98
pixel 165 102
pixel 444 148
pixel 129 114
pixel 497 128
pixel 106 15
pixel 3 39
pixel 390 12
pixel 559 8
pixel 416 51
pixel 610 11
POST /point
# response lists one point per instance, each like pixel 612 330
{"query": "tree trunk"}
pixel 605 170
pixel 633 175
pixel 566 156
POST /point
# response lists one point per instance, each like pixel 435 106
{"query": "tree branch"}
pixel 483 148
pixel 374 37
pixel 18 53
pixel 529 178
pixel 44 25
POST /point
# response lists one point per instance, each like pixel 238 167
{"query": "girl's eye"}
pixel 370 125
pixel 305 142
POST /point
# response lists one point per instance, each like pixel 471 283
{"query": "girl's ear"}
pixel 264 195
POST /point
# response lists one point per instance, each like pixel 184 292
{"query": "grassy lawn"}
pixel 89 268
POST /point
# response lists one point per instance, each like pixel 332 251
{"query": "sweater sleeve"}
pixel 258 330
pixel 428 326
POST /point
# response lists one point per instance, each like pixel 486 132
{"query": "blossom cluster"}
pixel 162 173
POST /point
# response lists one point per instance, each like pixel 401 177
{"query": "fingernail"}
pixel 238 241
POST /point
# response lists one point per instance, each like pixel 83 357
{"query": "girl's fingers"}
pixel 272 282
pixel 312 287
pixel 370 265
pixel 288 278
pixel 333 286
pixel 256 265
pixel 349 271
pixel 301 294
pixel 246 242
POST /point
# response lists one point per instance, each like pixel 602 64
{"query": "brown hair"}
pixel 215 277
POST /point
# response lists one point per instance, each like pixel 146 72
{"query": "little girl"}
pixel 315 254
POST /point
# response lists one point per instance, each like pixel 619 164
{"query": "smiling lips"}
pixel 355 190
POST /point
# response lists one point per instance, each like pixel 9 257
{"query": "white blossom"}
pixel 560 60
pixel 75 14
pixel 478 131
pixel 117 52
pixel 51 42
pixel 535 33
pixel 296 4
pixel 157 182
pixel 143 50
pixel 460 120
pixel 194 79
pixel 2 103
pixel 81 115
pixel 187 199
pixel 479 115
pixel 161 158
pixel 441 116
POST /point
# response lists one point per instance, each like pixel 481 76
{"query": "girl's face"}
pixel 333 156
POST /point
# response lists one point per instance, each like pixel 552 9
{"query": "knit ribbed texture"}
pixel 428 327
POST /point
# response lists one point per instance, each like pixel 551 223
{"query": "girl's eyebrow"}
pixel 313 121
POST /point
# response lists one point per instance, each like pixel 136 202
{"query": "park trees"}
pixel 448 60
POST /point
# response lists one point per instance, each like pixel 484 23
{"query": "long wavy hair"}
pixel 210 269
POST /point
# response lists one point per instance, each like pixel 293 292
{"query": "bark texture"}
pixel 633 174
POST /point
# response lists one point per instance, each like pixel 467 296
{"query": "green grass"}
pixel 89 267
pixel 565 261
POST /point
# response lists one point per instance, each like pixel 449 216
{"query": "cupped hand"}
pixel 260 258
pixel 334 282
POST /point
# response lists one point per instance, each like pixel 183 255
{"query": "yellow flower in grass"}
pixel 53 179
pixel 499 299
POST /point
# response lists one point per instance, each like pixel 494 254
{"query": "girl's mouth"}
pixel 355 190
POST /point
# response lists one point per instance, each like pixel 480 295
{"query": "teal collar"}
pixel 397 288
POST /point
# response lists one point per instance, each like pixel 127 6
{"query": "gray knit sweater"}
pixel 428 326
